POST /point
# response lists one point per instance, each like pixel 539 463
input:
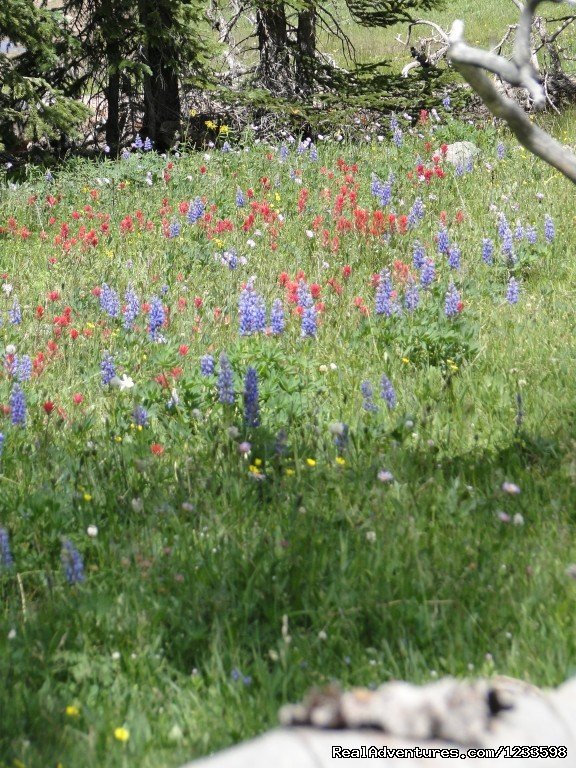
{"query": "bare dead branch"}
pixel 472 63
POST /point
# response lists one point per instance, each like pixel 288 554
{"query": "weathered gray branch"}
pixel 473 62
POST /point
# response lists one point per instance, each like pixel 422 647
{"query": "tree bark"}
pixel 306 50
pixel 272 31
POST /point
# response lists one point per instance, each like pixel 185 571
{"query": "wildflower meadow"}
pixel 274 415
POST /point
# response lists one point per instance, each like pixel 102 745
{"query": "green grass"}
pixel 178 632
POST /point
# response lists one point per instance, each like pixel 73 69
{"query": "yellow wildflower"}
pixel 72 710
pixel 311 462
pixel 122 734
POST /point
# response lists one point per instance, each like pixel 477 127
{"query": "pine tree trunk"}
pixel 161 86
pixel 274 68
pixel 306 50
pixel 113 99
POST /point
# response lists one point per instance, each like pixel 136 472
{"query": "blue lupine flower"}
pixel 251 409
pixel 416 213
pixel 24 368
pixel 230 258
pixel 283 153
pixel 418 255
pixel 107 369
pixel 503 227
pixel 277 323
pixel 375 186
pixel 513 291
pixel 454 257
pixel 487 250
pixel 309 322
pixel 15 314
pixel 303 146
pixel 387 392
pixel 251 311
pixel 313 153
pixel 72 562
pixel 6 559
pixel 48 176
pixel 428 274
pixel 368 394
pixel 412 296
pixel 452 301
pixel 240 201
pixel 443 240
pixel 138 143
pixel 109 301
pixel 125 154
pixel 549 230
pixel 518 231
pixel 446 102
pixel 147 144
pixel 195 210
pixel 140 416
pixel 18 406
pixel 132 308
pixel 507 246
pixel 303 295
pixel 383 304
pixel 225 381
pixel 500 151
pixel 156 317
pixel 530 234
pixel 469 165
pixel 226 147
pixel 207 366
pixel 397 136
pixel 174 229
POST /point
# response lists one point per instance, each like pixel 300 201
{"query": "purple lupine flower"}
pixel 107 369
pixel 446 102
pixel 277 323
pixel 368 394
pixel 443 240
pixel 500 151
pixel 387 392
pixel 15 314
pixel 487 250
pixel 147 144
pixel 503 227
pixel 549 230
pixel 454 257
pixel 513 291
pixel 412 296
pixel 530 234
pixel 156 317
pixel 303 295
pixel 459 170
pixel 125 154
pixel 138 143
pixel 230 258
pixel 140 416
pixel 309 322
pixel 283 153
pixel 207 366
pixel 251 409
pixel 72 562
pixel 375 186
pixel 313 155
pixel 418 255
pixel 226 147
pixel 251 311
pixel 195 210
pixel 518 231
pixel 452 301
pixel 174 229
pixel 6 559
pixel 18 406
pixel 225 381
pixel 303 146
pixel 428 274
pixel 397 136
pixel 385 196
pixel 240 201
pixel 507 246
pixel 416 213
pixel 132 309
pixel 24 368
pixel 383 301
pixel 109 301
